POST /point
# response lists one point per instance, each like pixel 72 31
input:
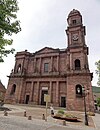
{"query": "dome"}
pixel 74 12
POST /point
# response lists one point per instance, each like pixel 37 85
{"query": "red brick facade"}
pixel 59 72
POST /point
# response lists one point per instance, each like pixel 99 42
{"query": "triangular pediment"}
pixel 47 50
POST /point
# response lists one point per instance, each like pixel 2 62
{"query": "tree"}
pixel 8 26
pixel 98 101
pixel 98 71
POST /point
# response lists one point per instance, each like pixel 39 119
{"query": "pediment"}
pixel 47 50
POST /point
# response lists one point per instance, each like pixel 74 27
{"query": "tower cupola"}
pixel 74 18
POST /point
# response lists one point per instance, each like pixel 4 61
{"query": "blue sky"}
pixel 44 22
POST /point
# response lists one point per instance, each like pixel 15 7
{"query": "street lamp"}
pixel 86 116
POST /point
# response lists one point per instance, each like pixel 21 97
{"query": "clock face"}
pixel 75 37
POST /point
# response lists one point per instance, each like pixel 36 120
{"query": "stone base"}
pixel 32 103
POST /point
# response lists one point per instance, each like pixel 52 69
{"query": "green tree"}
pixel 8 25
pixel 98 101
pixel 98 71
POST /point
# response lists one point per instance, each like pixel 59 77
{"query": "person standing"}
pixel 52 110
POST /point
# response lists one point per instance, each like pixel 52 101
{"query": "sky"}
pixel 43 24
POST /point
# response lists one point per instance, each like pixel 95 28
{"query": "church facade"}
pixel 60 73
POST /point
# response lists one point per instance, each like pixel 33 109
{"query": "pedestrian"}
pixel 52 110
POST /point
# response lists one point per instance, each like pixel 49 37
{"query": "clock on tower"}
pixel 75 37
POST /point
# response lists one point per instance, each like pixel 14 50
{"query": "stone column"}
pixel 57 93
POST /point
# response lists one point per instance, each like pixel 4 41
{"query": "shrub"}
pixel 69 115
pixel 63 114
pixel 61 111
pixel 59 115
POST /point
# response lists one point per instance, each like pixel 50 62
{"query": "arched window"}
pixel 78 90
pixel 13 89
pixel 77 64
pixel 19 68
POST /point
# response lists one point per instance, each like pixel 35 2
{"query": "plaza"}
pixel 16 120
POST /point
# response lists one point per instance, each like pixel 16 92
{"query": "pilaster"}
pixel 50 91
pixel 57 63
pixel 57 93
pixel 34 65
pixel 37 93
pixel 71 61
pixel 51 62
pixel 40 65
pixel 31 92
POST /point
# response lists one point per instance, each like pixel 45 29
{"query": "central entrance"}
pixel 42 96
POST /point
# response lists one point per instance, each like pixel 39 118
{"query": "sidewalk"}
pixel 96 120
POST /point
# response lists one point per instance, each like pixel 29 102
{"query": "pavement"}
pixel 16 120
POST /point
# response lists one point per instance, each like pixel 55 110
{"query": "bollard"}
pixel 24 113
pixel 5 113
pixel 29 117
pixel 64 122
pixel 43 117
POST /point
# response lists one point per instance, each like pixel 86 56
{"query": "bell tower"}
pixel 77 48
pixel 78 73
pixel 76 30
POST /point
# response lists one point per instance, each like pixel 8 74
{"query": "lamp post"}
pixel 86 116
